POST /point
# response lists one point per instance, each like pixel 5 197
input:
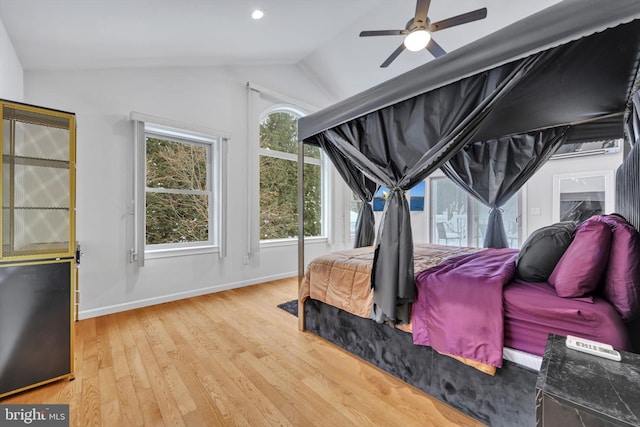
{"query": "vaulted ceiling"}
pixel 320 37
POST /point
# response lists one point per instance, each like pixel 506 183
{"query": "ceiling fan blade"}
pixel 422 10
pixel 393 56
pixel 383 33
pixel 474 15
pixel 435 49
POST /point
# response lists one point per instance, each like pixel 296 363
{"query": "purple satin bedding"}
pixel 533 310
pixel 472 305
pixel 458 307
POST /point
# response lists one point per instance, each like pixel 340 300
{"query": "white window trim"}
pixel 194 249
pixel 288 156
pixel 216 140
pixel 274 243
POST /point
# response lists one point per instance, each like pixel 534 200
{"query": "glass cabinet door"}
pixel 38 168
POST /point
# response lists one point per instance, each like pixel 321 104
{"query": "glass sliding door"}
pixel 510 218
pixel 449 213
pixel 458 219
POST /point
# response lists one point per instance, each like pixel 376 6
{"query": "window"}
pixel 457 219
pixel 578 196
pixel 355 204
pixel 573 149
pixel 279 180
pixel 178 192
pixel 415 197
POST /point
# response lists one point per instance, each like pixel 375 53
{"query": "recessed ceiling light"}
pixel 257 14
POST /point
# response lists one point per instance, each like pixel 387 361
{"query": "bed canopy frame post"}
pixel 300 231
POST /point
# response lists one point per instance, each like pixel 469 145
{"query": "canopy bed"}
pixel 489 115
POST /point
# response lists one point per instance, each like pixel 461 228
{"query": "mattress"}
pixel 533 310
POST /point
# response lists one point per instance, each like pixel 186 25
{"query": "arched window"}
pixel 279 180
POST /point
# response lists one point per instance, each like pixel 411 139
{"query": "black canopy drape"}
pixel 632 122
pixel 628 174
pixel 362 186
pixel 400 132
pixel 401 145
pixel 493 171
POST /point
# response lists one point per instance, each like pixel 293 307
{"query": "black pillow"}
pixel 542 250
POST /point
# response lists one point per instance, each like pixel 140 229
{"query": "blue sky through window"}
pixel 416 202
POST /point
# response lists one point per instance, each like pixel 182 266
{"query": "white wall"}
pixel 211 97
pixel 11 73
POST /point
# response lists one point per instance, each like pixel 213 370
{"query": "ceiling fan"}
pixel 419 28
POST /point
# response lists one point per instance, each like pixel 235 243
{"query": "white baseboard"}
pixel 131 305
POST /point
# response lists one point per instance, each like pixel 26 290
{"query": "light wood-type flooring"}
pixel 228 359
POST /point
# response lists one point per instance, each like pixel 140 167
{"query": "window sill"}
pixel 174 252
pixel 290 242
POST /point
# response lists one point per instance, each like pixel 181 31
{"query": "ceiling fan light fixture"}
pixel 417 40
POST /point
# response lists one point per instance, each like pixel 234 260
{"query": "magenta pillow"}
pixel 622 278
pixel 583 264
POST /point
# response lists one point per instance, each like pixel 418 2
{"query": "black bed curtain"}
pixel 401 145
pixel 628 174
pixel 493 171
pixel 632 122
pixel 628 187
pixel 407 137
pixel 362 186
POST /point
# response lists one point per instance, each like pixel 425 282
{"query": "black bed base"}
pixel 506 399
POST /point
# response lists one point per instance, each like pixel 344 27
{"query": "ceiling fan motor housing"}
pixel 419 28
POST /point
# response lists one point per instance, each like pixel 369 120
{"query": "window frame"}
pixel 215 142
pixel 324 180
pixel 471 206
pixel 350 198
pixel 608 183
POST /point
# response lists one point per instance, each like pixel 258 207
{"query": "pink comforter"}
pixel 458 308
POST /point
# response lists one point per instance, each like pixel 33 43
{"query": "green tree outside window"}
pixel 178 194
pixel 278 180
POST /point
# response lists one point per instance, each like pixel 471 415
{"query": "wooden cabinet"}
pixel 37 265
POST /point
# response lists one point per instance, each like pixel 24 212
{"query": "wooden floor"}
pixel 228 359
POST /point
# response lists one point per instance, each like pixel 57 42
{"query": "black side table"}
pixel 578 389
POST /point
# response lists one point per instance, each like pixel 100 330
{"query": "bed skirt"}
pixel 506 399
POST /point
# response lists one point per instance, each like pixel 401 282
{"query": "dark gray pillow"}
pixel 542 250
